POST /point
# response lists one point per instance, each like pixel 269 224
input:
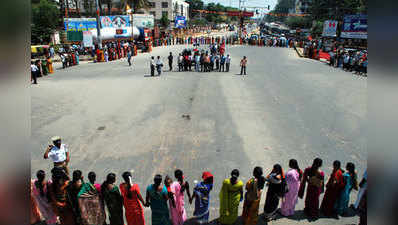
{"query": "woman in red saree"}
pixel 333 189
pixel 315 179
pixel 132 200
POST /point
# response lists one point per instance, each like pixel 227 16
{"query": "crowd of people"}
pixel 40 67
pixel 212 60
pixel 75 201
pixel 339 54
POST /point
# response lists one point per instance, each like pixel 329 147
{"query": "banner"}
pixel 118 22
pixel 355 26
pixel 180 22
pixel 116 25
pixel 87 39
pixel 80 24
pixel 329 28
pixel 143 20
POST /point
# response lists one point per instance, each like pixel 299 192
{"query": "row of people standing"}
pixel 204 62
pixel 68 59
pixel 40 68
pixel 79 202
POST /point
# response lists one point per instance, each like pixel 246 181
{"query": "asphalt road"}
pixel 116 118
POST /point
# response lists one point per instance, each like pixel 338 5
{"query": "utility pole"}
pixel 98 25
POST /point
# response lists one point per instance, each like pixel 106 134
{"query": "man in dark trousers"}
pixel 34 71
pixel 222 63
pixel 152 64
pixel 129 56
pixel 243 64
pixel 171 61
pixel 227 63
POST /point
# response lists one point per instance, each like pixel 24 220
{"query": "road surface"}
pixel 116 118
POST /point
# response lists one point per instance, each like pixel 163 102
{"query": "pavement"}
pixel 116 118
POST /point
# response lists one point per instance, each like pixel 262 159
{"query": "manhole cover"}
pixel 101 128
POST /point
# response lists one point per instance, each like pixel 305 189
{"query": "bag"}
pixel 284 188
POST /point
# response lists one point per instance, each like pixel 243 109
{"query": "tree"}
pixel 295 22
pixel 195 5
pixel 164 21
pixel 45 18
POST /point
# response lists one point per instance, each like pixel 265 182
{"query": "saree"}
pixel 334 187
pixel 134 210
pixel 272 197
pixel 314 190
pixel 160 211
pixel 91 206
pixel 50 65
pixel 61 204
pixel 114 203
pixel 202 200
pixel 252 203
pixel 341 204
pixel 230 196
pixel 43 202
pixel 290 200
pixel 177 214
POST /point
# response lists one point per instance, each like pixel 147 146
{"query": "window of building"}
pixel 153 13
pixel 152 4
pixel 182 10
pixel 165 13
pixel 165 4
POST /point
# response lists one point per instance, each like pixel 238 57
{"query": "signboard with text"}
pixel 355 26
pixel 80 24
pixel 180 22
pixel 143 20
pixel 329 28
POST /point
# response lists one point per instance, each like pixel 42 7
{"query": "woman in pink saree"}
pixel 178 188
pixel 293 177
pixel 39 191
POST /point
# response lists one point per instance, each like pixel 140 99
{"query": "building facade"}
pixel 158 8
pixel 170 8
pixel 303 6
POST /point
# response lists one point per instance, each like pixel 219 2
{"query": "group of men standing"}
pixel 202 62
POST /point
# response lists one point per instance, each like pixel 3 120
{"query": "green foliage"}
pixel 197 22
pixel 322 10
pixel 295 22
pixel 210 18
pixel 164 21
pixel 282 7
pixel 317 28
pixel 45 18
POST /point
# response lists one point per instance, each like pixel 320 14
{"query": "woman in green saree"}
pixel 231 195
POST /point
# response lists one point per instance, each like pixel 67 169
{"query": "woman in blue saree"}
pixel 350 180
pixel 201 194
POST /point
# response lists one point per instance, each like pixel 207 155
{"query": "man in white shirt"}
pixel 227 63
pixel 159 65
pixel 34 71
pixel 58 153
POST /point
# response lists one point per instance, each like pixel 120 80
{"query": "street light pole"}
pixel 98 26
